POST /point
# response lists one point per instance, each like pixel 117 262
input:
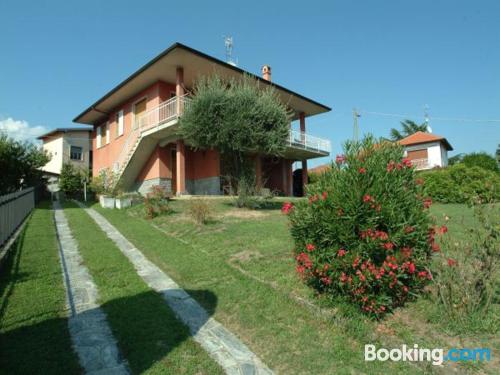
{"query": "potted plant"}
pixel 123 200
pixel 104 185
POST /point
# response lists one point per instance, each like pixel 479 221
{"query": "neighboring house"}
pixel 67 145
pixel 135 129
pixel 426 150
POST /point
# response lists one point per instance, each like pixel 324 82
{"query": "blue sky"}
pixel 58 57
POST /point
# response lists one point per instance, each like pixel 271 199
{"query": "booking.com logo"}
pixel 415 354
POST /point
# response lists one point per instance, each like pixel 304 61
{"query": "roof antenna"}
pixel 426 119
pixel 228 42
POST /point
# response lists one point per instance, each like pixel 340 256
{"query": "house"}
pixel 426 150
pixel 135 129
pixel 67 145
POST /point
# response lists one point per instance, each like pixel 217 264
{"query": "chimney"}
pixel 266 72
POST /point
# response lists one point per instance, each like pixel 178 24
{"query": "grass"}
pixel 149 335
pixel 244 257
pixel 34 336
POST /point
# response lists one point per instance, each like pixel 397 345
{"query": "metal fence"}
pixel 14 208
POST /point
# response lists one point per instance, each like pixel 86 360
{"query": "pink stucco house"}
pixel 135 129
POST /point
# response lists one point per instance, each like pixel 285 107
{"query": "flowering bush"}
pixel 364 231
pixel 156 202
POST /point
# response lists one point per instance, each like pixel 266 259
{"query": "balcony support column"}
pixel 179 88
pixel 180 167
pixel 302 119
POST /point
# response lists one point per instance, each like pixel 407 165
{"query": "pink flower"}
pixel 362 170
pixel 340 159
pixel 324 195
pixel 326 280
pixel 310 247
pixel 435 247
pixel 443 229
pixel 367 198
pixel 407 163
pixel 286 208
pixel 341 252
pixel 427 202
pixel 388 245
pixel 411 268
pixel 452 262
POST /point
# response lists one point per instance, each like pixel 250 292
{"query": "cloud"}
pixel 21 130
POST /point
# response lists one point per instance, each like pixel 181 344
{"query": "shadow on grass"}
pixel 146 330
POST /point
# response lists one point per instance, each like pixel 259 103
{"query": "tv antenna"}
pixel 355 116
pixel 228 42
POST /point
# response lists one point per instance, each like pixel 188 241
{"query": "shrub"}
pixel 251 196
pixel 364 231
pixel 466 273
pixel 156 202
pixel 106 183
pixel 70 180
pixel 200 210
pixel 481 160
pixel 461 184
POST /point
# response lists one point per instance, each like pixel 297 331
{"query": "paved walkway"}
pixel 234 356
pixel 92 338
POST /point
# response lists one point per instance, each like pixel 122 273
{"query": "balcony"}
pixel 300 145
pixel 421 164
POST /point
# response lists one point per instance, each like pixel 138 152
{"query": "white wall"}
pixel 59 147
pixel 54 147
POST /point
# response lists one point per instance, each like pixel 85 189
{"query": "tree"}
pixel 482 160
pixel 238 118
pixel 19 164
pixel 409 127
pixel 70 180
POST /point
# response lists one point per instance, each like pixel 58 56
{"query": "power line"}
pixel 454 119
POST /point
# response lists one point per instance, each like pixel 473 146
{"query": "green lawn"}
pixel 149 335
pixel 34 336
pixel 240 268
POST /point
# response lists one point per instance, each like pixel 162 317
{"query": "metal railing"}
pixel 421 163
pixel 163 113
pixel 14 208
pixel 306 141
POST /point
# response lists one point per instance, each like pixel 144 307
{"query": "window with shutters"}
pixel 99 137
pixel 119 123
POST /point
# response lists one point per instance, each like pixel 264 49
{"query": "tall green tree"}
pixel 409 127
pixel 239 119
pixel 19 164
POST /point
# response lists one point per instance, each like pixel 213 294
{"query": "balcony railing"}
pixel 308 142
pixel 165 112
pixel 420 163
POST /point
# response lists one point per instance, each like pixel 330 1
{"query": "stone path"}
pixel 92 338
pixel 234 356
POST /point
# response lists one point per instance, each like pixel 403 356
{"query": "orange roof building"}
pixel 426 150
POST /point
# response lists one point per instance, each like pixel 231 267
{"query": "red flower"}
pixel 443 229
pixel 340 159
pixel 286 208
pixel 300 269
pixel 390 166
pixel 409 229
pixel 388 245
pixel 427 202
pixel 407 163
pixel 326 280
pixel 382 235
pixel 405 289
pixel 343 277
pixel 435 247
pixel 367 198
pixel 362 170
pixel 452 262
pixel 310 247
pixel 341 252
pixel 313 198
pixel 324 195
pixel 411 268
pixel 422 274
pixel 356 262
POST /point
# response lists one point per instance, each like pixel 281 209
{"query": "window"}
pixel 76 153
pixel 99 137
pixel 119 123
pixel 107 132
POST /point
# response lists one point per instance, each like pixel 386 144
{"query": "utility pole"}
pixel 426 118
pixel 355 116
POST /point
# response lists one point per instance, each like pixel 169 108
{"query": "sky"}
pixel 390 57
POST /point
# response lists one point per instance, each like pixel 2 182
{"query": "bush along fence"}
pixel 14 208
